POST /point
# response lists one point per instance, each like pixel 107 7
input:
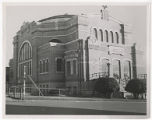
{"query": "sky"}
pixel 15 15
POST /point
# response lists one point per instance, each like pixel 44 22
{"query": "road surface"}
pixel 76 107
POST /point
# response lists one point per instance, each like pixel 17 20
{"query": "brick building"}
pixel 68 51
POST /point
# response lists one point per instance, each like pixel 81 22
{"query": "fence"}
pixel 18 92
pixel 21 91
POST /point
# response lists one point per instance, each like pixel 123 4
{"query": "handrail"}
pixel 35 84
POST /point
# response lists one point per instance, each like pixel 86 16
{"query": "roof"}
pixel 57 16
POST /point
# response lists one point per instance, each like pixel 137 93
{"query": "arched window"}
pixel 74 67
pixel 101 35
pixel 117 70
pixel 44 67
pixel 25 52
pixel 30 68
pixel 47 65
pixel 41 66
pixel 95 33
pixel 127 70
pixel 117 37
pixel 101 14
pixel 105 67
pixel 68 67
pixel 25 59
pixel 111 35
pixel 59 64
pixel 106 36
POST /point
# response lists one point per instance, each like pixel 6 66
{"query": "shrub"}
pixel 136 86
pixel 106 86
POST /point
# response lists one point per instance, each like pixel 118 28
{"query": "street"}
pixel 14 109
pixel 76 107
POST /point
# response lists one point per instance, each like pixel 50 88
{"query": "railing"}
pixel 142 76
pixel 98 75
pixel 35 85
pixel 17 92
pixel 46 91
pixel 21 91
pixel 105 74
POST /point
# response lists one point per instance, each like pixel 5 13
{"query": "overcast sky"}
pixel 16 15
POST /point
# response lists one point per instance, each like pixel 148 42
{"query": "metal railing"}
pixel 142 76
pixel 35 85
pixel 98 75
pixel 17 92
pixel 21 91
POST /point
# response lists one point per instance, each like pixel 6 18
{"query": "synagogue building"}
pixel 69 51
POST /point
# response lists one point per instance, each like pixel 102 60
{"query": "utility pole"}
pixel 133 51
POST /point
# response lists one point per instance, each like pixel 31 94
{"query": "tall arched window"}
pixel 68 64
pixel 111 35
pixel 25 59
pixel 47 65
pixel 59 65
pixel 117 37
pixel 101 35
pixel 95 33
pixel 41 66
pixel 44 65
pixel 127 70
pixel 116 70
pixel 105 67
pixel 106 36
pixel 25 52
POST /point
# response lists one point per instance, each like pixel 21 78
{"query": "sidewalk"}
pixel 73 103
pixel 75 98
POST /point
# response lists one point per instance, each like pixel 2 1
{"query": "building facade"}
pixel 69 51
